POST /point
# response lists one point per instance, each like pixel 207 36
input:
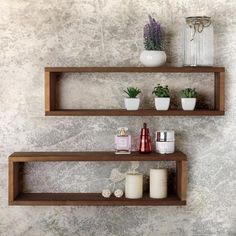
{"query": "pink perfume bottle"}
pixel 123 141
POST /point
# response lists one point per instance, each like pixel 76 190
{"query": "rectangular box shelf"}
pixel 53 73
pixel 17 197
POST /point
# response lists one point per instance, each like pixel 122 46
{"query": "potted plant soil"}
pixel 162 100
pixel 132 102
pixel 188 99
pixel 154 44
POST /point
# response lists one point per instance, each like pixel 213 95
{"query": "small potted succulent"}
pixel 162 100
pixel 132 102
pixel 188 99
pixel 154 44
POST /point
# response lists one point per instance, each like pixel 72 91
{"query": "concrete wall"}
pixel 35 34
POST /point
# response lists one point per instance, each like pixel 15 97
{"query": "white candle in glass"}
pixel 158 183
pixel 134 185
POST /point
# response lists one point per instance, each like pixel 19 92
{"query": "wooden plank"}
pixel 182 176
pixel 50 91
pixel 91 199
pixel 220 91
pixel 14 180
pixel 164 69
pixel 47 92
pixel 123 112
pixel 94 156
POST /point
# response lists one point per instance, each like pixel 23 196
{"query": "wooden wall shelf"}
pixel 142 112
pixel 53 73
pixel 91 199
pixel 17 197
pixel 163 69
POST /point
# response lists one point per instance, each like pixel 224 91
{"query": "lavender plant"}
pixel 154 35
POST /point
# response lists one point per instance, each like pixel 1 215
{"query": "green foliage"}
pixel 161 92
pixel 132 92
pixel 188 93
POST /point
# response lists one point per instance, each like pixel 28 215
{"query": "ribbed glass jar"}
pixel 198 41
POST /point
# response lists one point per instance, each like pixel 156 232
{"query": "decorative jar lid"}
pixel 165 136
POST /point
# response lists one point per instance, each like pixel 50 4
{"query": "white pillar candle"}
pixel 158 183
pixel 134 185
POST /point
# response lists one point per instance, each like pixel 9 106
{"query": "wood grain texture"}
pixel 182 177
pixel 123 112
pixel 94 156
pixel 14 180
pixel 91 199
pixel 164 69
pixel 50 91
pixel 219 84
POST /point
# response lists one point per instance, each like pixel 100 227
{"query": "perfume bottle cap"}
pixel 122 131
pixel 144 130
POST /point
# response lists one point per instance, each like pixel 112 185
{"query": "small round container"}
pixel 165 141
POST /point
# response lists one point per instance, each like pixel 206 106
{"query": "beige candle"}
pixel 134 185
pixel 158 183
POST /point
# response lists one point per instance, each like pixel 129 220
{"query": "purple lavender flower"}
pixel 154 35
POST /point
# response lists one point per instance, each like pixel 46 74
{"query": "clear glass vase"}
pixel 198 41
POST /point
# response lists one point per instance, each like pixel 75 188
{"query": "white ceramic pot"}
pixel 132 104
pixel 188 104
pixel 162 103
pixel 153 58
pixel 165 147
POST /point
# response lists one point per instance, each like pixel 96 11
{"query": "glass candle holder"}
pixel 198 41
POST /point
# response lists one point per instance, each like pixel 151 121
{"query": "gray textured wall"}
pixel 35 34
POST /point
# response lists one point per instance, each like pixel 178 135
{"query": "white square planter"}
pixel 188 104
pixel 162 104
pixel 132 104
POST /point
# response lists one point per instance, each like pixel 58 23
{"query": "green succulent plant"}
pixel 188 93
pixel 132 92
pixel 161 92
